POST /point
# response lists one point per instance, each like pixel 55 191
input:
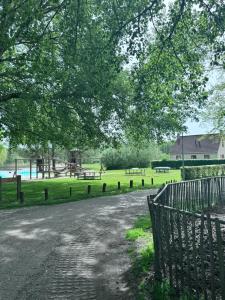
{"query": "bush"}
pixel 125 158
pixel 3 155
pixel 177 164
pixel 132 155
pixel 189 173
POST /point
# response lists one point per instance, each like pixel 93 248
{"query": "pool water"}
pixel 25 173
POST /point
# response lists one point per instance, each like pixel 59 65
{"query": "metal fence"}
pixel 189 242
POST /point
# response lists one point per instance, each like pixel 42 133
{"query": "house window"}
pixel 193 156
pixel 206 156
pixel 178 157
pixel 222 156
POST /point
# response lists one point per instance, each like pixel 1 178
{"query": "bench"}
pixel 162 169
pixel 135 171
pixel 89 175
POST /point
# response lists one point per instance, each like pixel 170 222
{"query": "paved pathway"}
pixel 68 251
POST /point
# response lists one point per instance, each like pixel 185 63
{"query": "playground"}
pixel 47 167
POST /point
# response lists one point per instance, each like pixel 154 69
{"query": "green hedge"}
pixel 177 164
pixel 189 173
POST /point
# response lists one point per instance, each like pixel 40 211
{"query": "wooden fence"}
pixel 189 242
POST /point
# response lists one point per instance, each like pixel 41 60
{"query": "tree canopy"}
pixel 65 76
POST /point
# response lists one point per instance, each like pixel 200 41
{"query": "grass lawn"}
pixel 59 189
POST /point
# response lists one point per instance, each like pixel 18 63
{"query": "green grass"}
pixel 140 229
pixel 95 166
pixel 143 222
pixel 141 256
pixel 134 234
pixel 59 188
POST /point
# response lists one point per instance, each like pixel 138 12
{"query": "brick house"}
pixel 203 146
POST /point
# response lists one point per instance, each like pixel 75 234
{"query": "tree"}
pixel 3 154
pixel 62 67
pixel 60 64
pixel 215 109
pixel 170 79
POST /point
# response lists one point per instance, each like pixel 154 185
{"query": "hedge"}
pixel 189 173
pixel 177 164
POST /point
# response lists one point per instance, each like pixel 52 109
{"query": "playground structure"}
pixel 48 167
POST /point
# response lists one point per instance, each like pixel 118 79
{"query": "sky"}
pixel 198 127
pixel 216 76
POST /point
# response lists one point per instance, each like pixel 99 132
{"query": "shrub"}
pixel 189 173
pixel 125 158
pixel 177 164
pixel 129 156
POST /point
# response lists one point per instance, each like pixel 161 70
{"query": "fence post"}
pixel 70 191
pixel 211 256
pixel 104 187
pixel 118 185
pixel 131 183
pixel 220 256
pixel 152 210
pixel 18 186
pixel 143 182
pixel 21 197
pixel 152 181
pixel 30 169
pixel 202 256
pixel 0 188
pixel 46 193
pixel 89 189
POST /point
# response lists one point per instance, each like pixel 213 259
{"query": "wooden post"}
pixel 36 169
pixel 118 185
pixel 202 256
pixel 18 186
pixel 180 247
pixel 30 169
pixel 104 187
pixel 49 168
pixel 15 166
pixel 70 191
pixel 0 188
pixel 46 194
pixel 154 219
pixel 211 253
pixel 194 256
pixel 173 246
pixel 21 197
pixel 143 182
pixel 152 181
pixel 89 189
pixel 168 245
pixel 220 257
pixel 187 252
pixel 131 184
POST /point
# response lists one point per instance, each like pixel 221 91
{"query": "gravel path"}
pixel 69 251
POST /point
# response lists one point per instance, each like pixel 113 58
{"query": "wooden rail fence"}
pixel 190 243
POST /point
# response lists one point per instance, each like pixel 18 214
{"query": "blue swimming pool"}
pixel 25 173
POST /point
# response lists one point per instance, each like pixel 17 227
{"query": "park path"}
pixel 69 251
